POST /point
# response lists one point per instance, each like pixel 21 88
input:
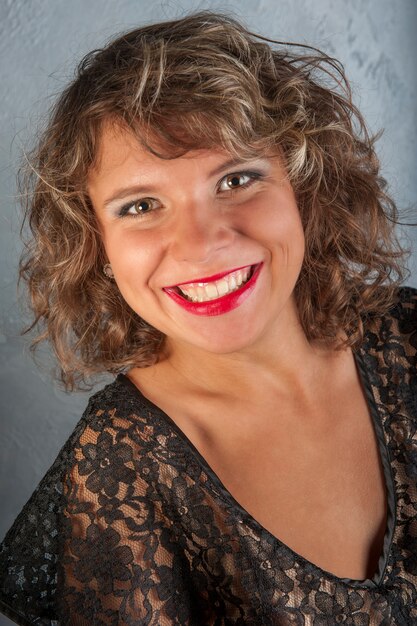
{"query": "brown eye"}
pixel 139 207
pixel 237 181
pixel 143 206
pixel 233 181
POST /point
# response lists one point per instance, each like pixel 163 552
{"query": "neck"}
pixel 284 362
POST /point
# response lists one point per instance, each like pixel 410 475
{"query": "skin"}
pixel 199 231
pixel 221 378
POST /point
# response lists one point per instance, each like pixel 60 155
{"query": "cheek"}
pixel 134 257
pixel 296 239
pixel 129 249
pixel 282 229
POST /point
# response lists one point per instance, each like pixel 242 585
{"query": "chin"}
pixel 225 343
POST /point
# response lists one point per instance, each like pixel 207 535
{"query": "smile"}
pixel 217 294
pixel 202 291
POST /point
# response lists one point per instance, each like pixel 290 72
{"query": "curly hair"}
pixel 199 82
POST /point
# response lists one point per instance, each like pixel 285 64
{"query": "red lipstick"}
pixel 220 305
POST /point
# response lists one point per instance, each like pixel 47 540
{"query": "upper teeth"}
pixel 201 292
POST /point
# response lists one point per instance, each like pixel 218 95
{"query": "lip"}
pixel 220 305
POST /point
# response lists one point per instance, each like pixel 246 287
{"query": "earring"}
pixel 107 270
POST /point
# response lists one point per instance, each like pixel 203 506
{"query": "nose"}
pixel 199 234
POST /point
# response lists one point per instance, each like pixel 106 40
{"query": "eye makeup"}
pixel 146 208
pixel 149 202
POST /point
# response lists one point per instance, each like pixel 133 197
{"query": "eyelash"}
pixel 253 177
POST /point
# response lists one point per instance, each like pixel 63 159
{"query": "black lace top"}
pixel 131 526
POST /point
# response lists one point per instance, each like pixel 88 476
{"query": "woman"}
pixel 209 223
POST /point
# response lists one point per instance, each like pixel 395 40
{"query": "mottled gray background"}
pixel 40 42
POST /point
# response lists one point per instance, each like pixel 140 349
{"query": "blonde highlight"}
pixel 200 82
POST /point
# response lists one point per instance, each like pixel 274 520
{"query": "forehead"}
pixel 116 145
pixel 117 142
pixel 121 153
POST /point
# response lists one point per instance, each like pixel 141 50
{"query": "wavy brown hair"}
pixel 199 82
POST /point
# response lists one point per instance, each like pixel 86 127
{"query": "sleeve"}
pixel 29 554
pixel 120 563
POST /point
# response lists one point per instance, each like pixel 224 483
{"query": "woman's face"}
pixel 205 248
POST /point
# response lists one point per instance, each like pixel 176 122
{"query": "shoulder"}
pixel 112 417
pixel 389 352
pixel 124 444
pixel 405 310
pixel 119 439
pixel 396 330
pixel 102 509
pixel 120 411
pixel 110 442
pixel 122 440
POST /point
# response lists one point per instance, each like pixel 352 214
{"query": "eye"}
pixel 239 180
pixel 139 207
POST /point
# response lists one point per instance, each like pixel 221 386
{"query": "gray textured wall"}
pixel 41 40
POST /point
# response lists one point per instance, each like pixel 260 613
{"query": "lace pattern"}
pixel 131 526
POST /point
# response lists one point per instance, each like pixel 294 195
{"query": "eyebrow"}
pixel 125 192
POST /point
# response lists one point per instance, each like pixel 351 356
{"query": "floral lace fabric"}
pixel 130 526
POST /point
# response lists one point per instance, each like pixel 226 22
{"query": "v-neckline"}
pixel 221 490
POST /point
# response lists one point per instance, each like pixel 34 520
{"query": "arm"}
pixel 119 563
